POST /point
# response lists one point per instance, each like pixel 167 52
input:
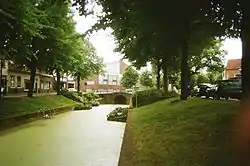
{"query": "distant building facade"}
pixel 109 81
pixel 16 80
pixel 233 69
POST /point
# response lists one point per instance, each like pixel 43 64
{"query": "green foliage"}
pixel 130 77
pixel 202 79
pixel 213 77
pixel 119 114
pixel 95 103
pixel 150 96
pixel 85 63
pixel 207 55
pixel 74 96
pixel 89 96
pixel 210 77
pixel 41 35
pixel 83 107
pixel 146 79
pixel 87 100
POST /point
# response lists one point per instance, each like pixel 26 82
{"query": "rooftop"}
pixel 233 64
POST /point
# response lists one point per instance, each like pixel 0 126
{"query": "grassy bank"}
pixel 196 132
pixel 11 107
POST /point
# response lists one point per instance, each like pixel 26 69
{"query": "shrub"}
pixel 90 96
pixel 119 114
pixel 96 96
pixel 83 107
pixel 150 96
pixel 95 103
pixel 74 96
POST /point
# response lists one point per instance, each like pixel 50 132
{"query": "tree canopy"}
pixel 146 79
pixel 41 35
pixel 130 77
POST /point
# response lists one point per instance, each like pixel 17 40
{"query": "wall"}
pixel 112 68
pixel 231 73
pixel 123 66
pixel 109 98
pixel 26 76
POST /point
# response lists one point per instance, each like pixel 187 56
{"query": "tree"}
pixel 141 24
pixel 130 78
pixel 146 79
pixel 156 70
pixel 202 78
pixel 207 56
pixel 20 23
pixel 85 63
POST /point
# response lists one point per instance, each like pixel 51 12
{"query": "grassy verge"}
pixel 196 132
pixel 11 107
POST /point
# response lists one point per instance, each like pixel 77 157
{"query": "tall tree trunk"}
pixel 165 80
pixel 158 77
pixel 184 64
pixel 78 83
pixel 58 82
pixel 1 75
pixel 243 135
pixel 32 81
pixel 246 53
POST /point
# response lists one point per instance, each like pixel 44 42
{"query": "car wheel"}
pixel 227 98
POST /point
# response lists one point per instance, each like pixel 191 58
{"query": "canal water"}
pixel 76 138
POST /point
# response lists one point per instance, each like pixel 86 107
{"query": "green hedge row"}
pixel 150 96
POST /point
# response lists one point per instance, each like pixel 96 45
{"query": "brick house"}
pixel 233 69
pixel 109 81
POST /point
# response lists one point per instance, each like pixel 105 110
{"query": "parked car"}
pixel 200 90
pixel 229 89
pixel 212 91
pixel 72 90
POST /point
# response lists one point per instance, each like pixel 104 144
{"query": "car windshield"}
pixel 231 84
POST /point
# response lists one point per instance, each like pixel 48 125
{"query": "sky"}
pixel 104 41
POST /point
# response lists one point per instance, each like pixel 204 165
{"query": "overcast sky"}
pixel 104 42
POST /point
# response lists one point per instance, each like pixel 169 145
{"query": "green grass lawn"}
pixel 196 132
pixel 11 107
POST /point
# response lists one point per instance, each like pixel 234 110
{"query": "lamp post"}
pixel 136 97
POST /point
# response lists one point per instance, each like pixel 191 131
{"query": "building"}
pixel 16 80
pixel 109 81
pixel 67 81
pixel 233 69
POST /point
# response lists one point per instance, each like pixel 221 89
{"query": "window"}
pixel 45 85
pixel 71 85
pixel 12 81
pixel 113 79
pixel 18 82
pixel 103 79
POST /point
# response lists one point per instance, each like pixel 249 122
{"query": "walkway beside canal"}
pixel 83 138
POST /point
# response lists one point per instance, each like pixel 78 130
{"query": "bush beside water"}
pixel 87 100
pixel 119 114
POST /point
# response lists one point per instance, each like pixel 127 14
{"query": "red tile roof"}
pixel 233 64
